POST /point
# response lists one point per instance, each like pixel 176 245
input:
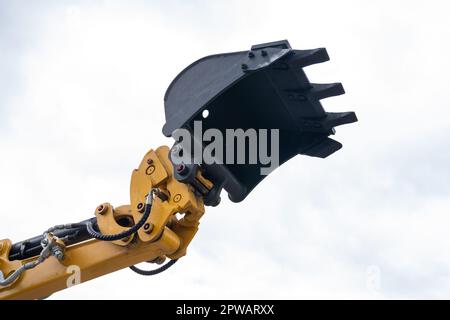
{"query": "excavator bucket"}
pixel 261 88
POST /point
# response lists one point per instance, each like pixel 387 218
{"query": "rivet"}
pixel 244 66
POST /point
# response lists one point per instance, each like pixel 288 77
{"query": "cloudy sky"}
pixel 81 101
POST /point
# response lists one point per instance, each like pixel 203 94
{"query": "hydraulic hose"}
pixel 155 271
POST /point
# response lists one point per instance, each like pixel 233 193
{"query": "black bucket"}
pixel 264 88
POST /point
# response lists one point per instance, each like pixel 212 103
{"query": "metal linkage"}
pixel 68 233
pixel 99 236
pixel 51 246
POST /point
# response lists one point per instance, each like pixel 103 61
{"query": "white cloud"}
pixel 84 101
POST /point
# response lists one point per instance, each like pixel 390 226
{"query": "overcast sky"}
pixel 81 101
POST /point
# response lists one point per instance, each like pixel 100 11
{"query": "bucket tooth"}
pixel 323 149
pixel 304 58
pixel 334 119
pixel 326 90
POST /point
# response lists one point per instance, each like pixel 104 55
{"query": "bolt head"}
pixel 148 227
pixel 264 53
pixel 244 66
pixel 149 161
pixel 58 253
pixel 177 197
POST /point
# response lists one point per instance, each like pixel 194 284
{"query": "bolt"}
pixel 251 55
pixel 58 253
pixel 264 53
pixel 244 66
pixel 140 207
pixel 148 227
pixel 149 161
pixel 177 197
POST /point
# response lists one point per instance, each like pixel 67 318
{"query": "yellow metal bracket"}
pixel 156 171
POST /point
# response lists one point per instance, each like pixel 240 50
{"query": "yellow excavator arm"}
pixel 245 96
pixel 105 244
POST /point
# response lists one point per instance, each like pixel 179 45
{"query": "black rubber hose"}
pixel 32 247
pixel 113 237
pixel 155 271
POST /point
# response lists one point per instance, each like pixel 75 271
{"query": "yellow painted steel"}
pixel 164 234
